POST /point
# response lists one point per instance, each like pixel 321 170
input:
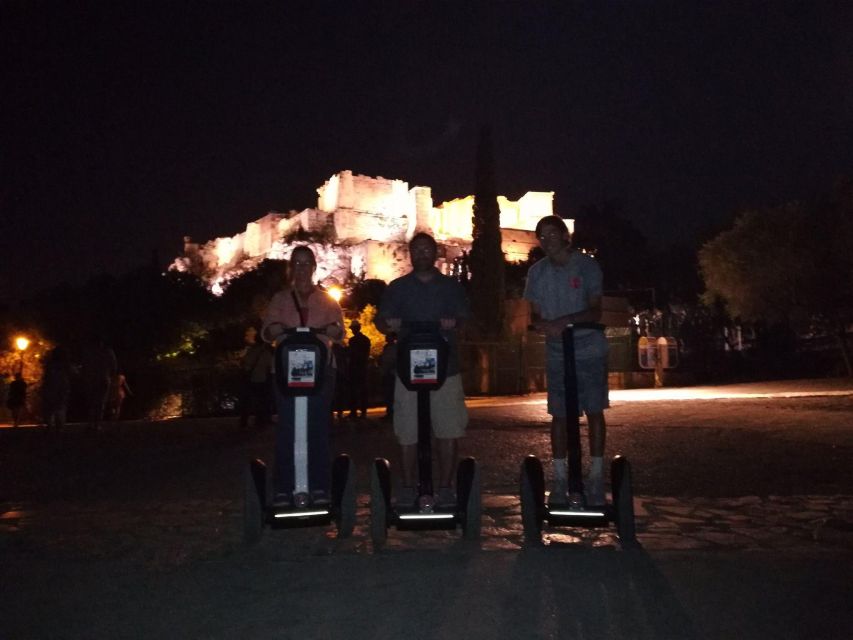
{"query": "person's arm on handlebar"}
pixel 554 328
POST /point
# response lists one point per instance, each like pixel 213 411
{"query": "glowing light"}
pixel 579 514
pixel 426 516
pixel 335 293
pixel 22 342
pixel 303 514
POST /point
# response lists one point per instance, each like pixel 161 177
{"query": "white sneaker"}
pixel 559 492
pixel 406 497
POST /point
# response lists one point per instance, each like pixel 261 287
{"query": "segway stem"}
pixel 424 445
pixel 573 431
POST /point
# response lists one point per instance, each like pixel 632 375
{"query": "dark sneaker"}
pixel 445 498
pixel 282 500
pixel 576 502
pixel 406 497
pixel 301 500
pixel 320 498
pixel 595 493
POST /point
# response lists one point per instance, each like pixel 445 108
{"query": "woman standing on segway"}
pixel 303 304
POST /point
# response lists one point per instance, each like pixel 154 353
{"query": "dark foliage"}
pixel 487 289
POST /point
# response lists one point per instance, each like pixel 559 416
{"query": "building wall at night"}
pixel 361 225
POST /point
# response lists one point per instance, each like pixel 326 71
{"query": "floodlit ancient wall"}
pixel 372 219
pixel 380 260
pixel 453 219
pixel 517 244
pixel 525 212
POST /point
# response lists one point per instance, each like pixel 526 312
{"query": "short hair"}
pixel 423 235
pixel 304 248
pixel 553 221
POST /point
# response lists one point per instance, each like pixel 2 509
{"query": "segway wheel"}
pixel 343 495
pixel 468 496
pixel 623 501
pixel 532 499
pixel 379 498
pixel 253 502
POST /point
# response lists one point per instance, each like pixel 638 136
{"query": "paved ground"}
pixel 744 512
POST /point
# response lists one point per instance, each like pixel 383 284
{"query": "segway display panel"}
pixel 300 362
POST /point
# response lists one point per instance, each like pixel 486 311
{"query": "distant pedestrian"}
pixel 16 400
pixel 257 370
pixel 99 368
pixel 388 372
pixel 119 390
pixel 358 355
pixel 341 399
pixel 56 389
pixel 5 379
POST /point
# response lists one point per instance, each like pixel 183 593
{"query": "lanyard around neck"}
pixel 303 312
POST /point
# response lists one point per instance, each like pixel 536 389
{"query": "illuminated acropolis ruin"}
pixel 360 226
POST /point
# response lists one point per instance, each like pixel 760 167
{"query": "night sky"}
pixel 125 126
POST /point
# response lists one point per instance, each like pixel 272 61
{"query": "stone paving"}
pixel 167 535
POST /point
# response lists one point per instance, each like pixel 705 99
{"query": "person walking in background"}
pixel 5 379
pixel 257 367
pixel 358 355
pixel 99 368
pixel 56 389
pixel 119 390
pixel 388 372
pixel 16 400
pixel 341 399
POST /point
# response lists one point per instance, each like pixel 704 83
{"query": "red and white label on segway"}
pixel 301 368
pixel 423 365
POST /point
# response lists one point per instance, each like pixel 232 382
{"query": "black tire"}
pixel 532 499
pixel 468 491
pixel 344 495
pixel 623 501
pixel 253 509
pixel 378 503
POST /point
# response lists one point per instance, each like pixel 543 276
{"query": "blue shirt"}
pixel 413 300
pixel 561 289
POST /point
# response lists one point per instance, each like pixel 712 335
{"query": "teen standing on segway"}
pixel 303 304
pixel 425 295
pixel 565 287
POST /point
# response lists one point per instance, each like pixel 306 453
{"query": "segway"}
pixel 422 367
pixel 300 363
pixel 535 510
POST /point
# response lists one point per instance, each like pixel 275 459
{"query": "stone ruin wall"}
pixel 366 222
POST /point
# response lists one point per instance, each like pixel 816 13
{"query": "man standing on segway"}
pixel 565 287
pixel 426 295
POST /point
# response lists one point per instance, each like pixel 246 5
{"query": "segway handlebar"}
pixel 289 331
pixel 421 326
pixel 596 326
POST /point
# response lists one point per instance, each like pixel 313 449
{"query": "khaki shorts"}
pixel 447 410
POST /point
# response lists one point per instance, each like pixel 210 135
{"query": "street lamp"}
pixel 21 343
pixel 335 293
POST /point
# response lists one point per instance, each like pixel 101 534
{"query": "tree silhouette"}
pixel 790 264
pixel 486 258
